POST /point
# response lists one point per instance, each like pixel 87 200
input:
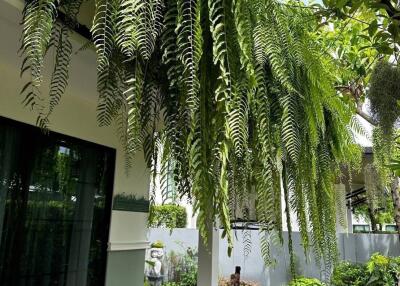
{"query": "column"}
pixel 208 269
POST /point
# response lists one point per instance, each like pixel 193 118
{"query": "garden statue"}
pixel 154 274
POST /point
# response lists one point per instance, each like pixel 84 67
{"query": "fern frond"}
pixel 220 49
pixel 139 24
pixel 38 20
pixel 189 42
pixel 133 99
pixel 60 75
pixel 242 14
pixel 109 80
pixel 290 129
pixel 270 44
pixel 104 31
pixel 238 122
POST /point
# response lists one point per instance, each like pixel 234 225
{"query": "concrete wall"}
pixel 352 247
pixel 76 116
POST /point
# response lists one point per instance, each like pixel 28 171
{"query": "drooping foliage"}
pixel 386 153
pixel 237 91
pixel 41 32
pixel 394 164
pixel 384 94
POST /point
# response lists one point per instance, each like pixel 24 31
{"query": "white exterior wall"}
pixel 76 116
pixel 352 247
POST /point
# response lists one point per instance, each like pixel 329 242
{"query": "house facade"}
pixel 60 222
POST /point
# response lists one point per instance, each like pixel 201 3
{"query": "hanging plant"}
pixel 246 96
pixel 384 94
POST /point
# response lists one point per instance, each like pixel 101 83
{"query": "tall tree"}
pixel 365 46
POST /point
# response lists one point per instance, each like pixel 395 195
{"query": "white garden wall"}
pixel 352 247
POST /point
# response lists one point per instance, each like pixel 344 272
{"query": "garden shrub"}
pixel 168 216
pixel 382 270
pixel 347 273
pixel 303 281
pixel 378 271
pixel 182 268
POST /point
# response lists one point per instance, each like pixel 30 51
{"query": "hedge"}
pixel 168 216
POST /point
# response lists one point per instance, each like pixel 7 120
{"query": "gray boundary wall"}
pixel 352 247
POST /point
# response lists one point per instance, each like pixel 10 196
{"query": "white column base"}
pixel 208 268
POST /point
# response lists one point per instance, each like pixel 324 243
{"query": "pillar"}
pixel 208 268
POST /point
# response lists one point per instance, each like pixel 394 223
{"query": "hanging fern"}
pixel 104 31
pixel 38 20
pixel 138 26
pixel 384 93
pixel 60 75
pixel 236 93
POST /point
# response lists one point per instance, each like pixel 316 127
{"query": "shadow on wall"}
pixel 352 247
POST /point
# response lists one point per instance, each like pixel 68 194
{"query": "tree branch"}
pixel 392 11
pixel 355 91
pixel 366 116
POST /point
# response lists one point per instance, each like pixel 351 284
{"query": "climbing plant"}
pixel 244 93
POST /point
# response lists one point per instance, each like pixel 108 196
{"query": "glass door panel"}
pixel 55 204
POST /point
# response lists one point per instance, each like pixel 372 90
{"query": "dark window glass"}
pixel 55 204
pixel 391 228
pixel 361 228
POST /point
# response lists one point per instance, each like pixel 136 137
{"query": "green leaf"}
pixel 339 4
pixel 384 49
pixel 373 27
pixel 365 37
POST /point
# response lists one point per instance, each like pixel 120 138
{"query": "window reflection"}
pixel 55 203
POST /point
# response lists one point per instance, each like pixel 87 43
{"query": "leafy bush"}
pixel 378 271
pixel 303 281
pixel 169 216
pixel 346 273
pixel 182 268
pixel 381 270
pixel 189 278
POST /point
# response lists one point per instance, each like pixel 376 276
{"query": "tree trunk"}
pixel 396 202
pixel 372 219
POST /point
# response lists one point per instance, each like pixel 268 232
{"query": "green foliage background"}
pixel 303 281
pixel 168 216
pixel 378 270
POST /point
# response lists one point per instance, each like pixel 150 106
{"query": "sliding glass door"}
pixel 55 205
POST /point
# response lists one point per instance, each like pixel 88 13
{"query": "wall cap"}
pixel 127 245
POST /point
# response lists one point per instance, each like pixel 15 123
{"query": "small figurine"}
pixel 156 255
pixel 155 273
